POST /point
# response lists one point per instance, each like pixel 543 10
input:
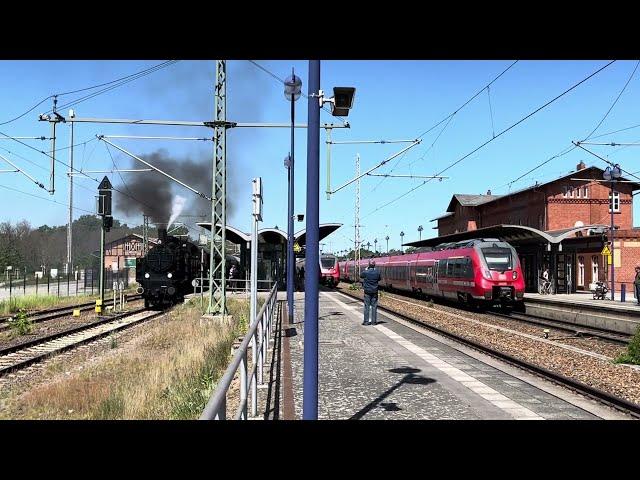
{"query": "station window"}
pixel 594 268
pixel 585 192
pixel 565 191
pixel 616 202
pixel 578 192
pixel 580 271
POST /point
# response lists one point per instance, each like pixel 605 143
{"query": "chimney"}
pixel 162 235
pixel 488 192
pixel 581 166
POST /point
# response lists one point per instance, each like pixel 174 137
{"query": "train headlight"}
pixel 146 275
pixel 169 275
pixel 515 274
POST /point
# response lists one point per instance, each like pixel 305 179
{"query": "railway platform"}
pixel 399 371
pixel 582 310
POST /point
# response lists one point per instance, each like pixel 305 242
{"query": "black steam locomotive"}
pixel 166 272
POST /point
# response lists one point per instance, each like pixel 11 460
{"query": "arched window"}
pixel 594 268
pixel 580 271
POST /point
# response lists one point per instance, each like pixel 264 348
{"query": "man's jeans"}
pixel 371 300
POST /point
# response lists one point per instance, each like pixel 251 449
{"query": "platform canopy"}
pixel 518 234
pixel 273 235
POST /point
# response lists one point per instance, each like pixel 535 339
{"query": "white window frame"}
pixel 565 191
pixel 578 192
pixel 585 192
pixel 616 202
pixel 594 268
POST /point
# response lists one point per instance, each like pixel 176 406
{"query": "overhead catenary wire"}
pixel 71 92
pixel 447 119
pixel 43 198
pixel 573 147
pixel 497 136
pixel 614 102
pixel 39 184
pixel 128 79
pixel 281 81
pixel 84 174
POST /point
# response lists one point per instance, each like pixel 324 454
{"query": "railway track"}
pixel 601 396
pixel 21 356
pixel 566 326
pixel 53 313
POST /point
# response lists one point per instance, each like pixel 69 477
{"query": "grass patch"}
pixel 169 372
pixel 20 324
pixel 33 302
pixel 632 355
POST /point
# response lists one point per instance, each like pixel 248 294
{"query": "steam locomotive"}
pixel 166 272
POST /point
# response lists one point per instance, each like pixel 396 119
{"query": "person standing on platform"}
pixel 371 278
pixel 636 284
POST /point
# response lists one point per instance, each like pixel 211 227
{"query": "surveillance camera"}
pixel 342 100
pixel 300 217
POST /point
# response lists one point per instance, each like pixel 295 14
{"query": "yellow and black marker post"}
pixel 98 306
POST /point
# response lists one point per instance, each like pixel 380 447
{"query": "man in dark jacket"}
pixel 636 284
pixel 371 278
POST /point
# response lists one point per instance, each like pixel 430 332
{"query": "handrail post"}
pixel 265 345
pixel 254 386
pixel 243 385
pixel 222 412
pixel 260 348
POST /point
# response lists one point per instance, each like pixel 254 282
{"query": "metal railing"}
pixel 258 337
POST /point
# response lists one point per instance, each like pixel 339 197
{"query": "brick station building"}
pixel 120 254
pixel 562 225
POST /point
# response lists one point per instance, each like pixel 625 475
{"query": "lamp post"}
pixel 369 246
pixel 387 239
pixel 401 240
pixel 420 231
pixel 612 175
pixel 292 90
pixel 341 102
pixel 375 245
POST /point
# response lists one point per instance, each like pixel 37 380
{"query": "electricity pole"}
pixel 217 265
pixel 70 226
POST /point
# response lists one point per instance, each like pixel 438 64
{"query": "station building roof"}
pixel 273 235
pixel 517 234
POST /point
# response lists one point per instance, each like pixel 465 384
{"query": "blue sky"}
pixel 394 100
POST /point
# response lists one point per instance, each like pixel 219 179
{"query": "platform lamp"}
pixel 292 91
pixel 375 244
pixel 387 239
pixel 369 246
pixel 612 175
pixel 420 231
pixel 401 241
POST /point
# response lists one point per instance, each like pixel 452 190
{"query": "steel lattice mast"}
pixel 217 266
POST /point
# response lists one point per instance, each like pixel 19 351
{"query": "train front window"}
pixel 498 258
pixel 328 262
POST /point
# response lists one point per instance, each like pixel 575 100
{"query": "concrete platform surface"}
pixel 397 371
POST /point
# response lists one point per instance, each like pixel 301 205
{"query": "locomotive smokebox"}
pixel 162 235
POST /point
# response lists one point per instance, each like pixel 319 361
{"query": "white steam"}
pixel 176 208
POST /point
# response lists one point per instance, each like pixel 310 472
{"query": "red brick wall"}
pixel 565 212
pixel 526 209
pixel 629 258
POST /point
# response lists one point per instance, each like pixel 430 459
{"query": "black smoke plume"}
pixel 153 193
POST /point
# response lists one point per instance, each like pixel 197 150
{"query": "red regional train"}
pixel 329 269
pixel 479 272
